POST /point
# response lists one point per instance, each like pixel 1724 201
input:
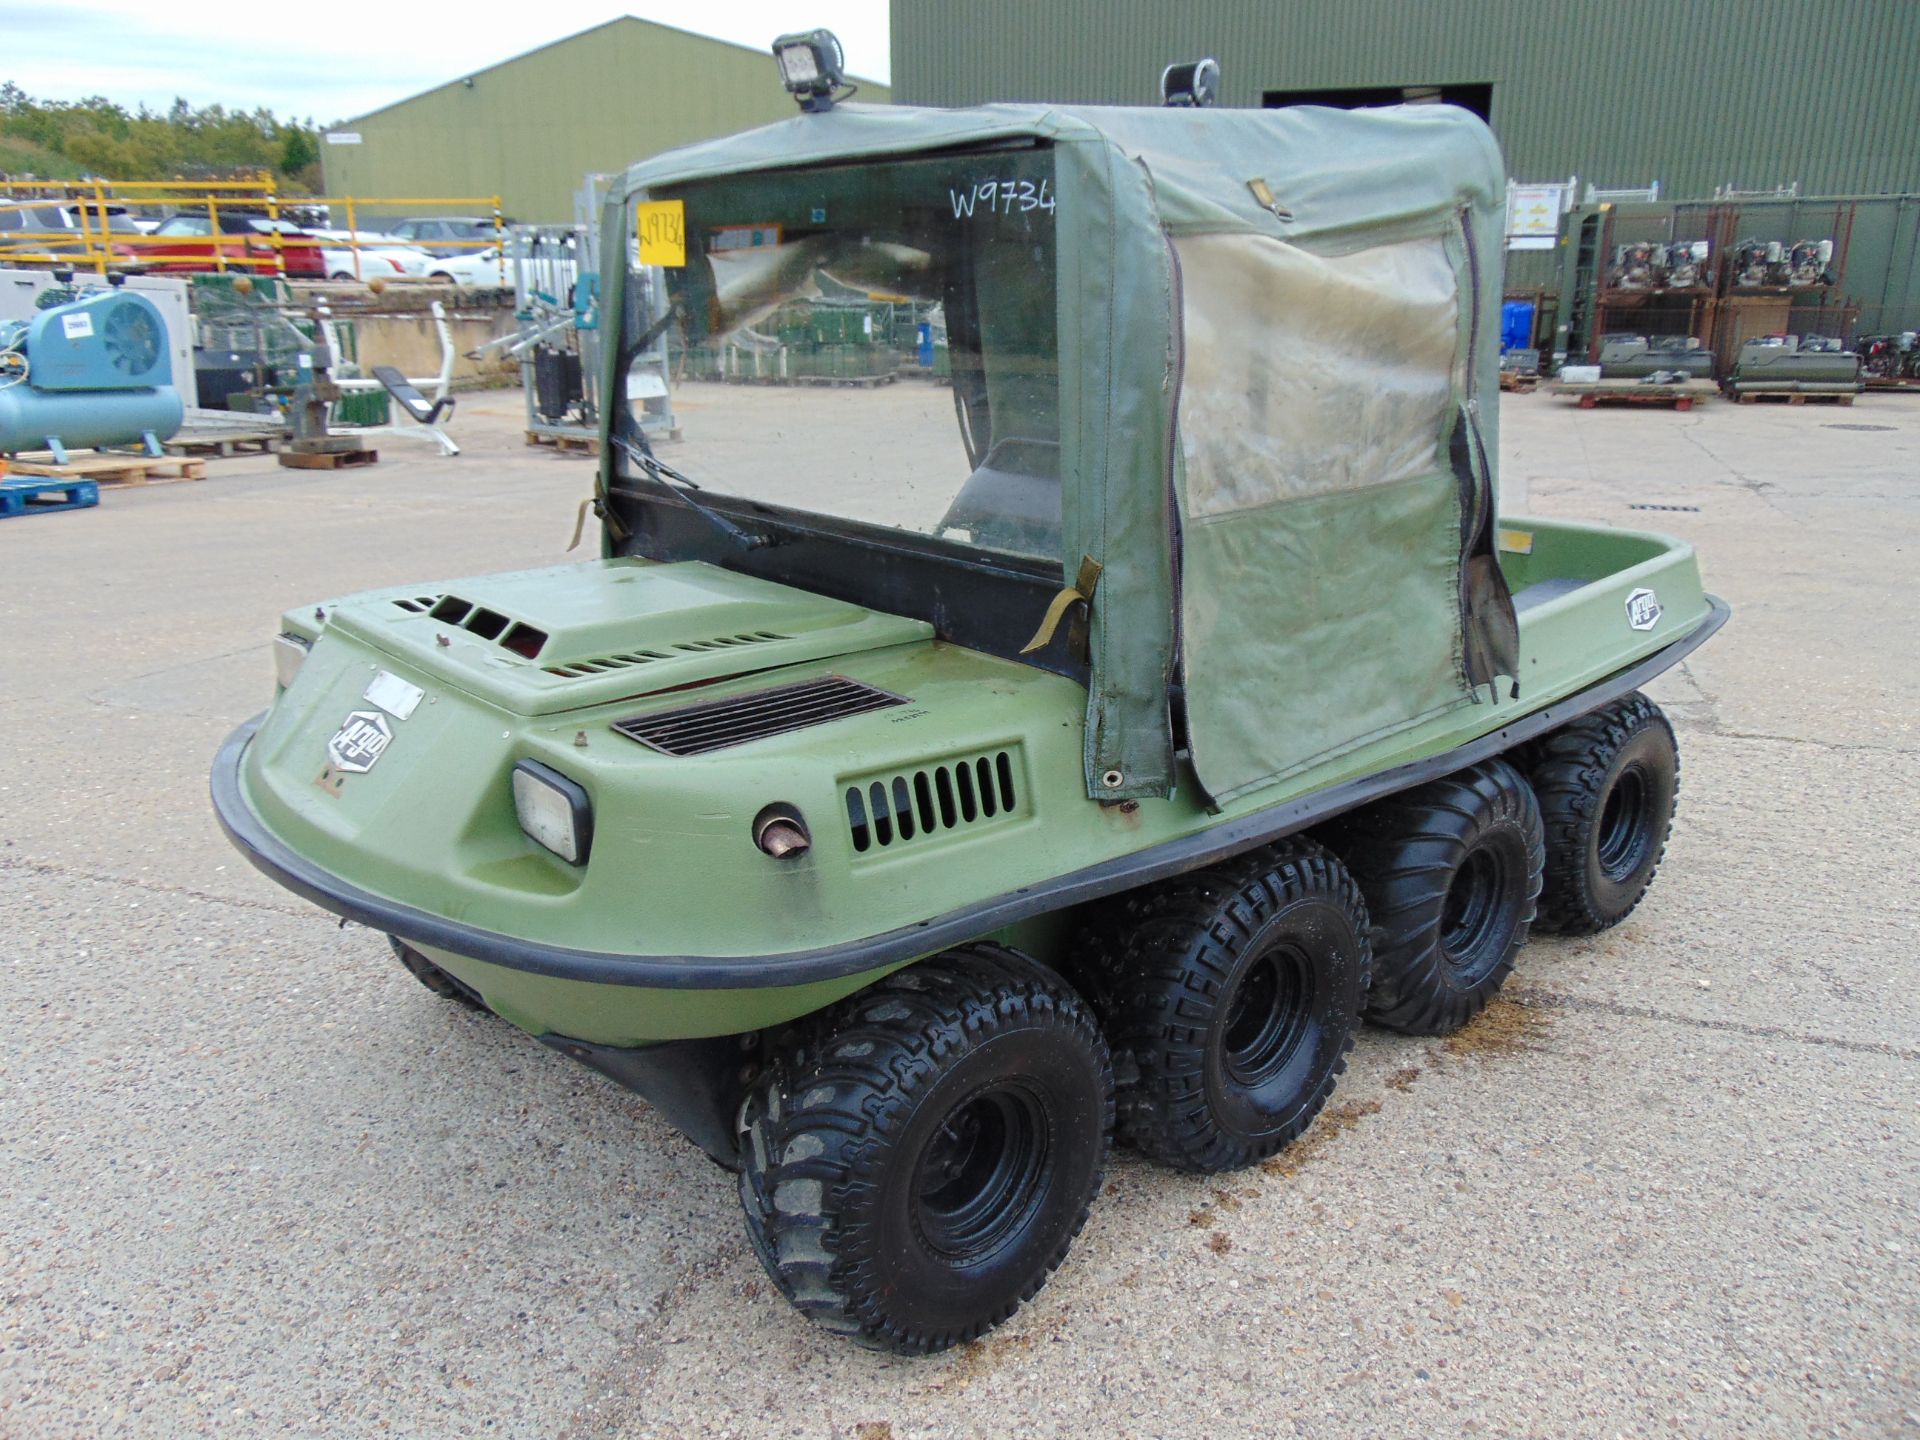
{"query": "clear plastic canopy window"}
pixel 876 343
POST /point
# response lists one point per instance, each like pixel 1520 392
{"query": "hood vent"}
pixel 601 663
pixel 891 810
pixel 721 724
pixel 521 638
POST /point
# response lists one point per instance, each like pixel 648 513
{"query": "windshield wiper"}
pixel 677 485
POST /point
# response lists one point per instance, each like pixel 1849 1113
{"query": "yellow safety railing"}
pixel 98 246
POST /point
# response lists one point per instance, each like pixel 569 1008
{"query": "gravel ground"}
pixel 255 1181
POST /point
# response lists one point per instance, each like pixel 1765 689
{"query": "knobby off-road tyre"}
pixel 1451 872
pixel 433 977
pixel 1607 785
pixel 1231 997
pixel 915 1169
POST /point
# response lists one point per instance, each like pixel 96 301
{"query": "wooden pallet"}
pixel 1519 384
pixel 25 497
pixel 112 469
pixel 1796 397
pixel 1668 395
pixel 262 442
pixel 327 459
pixel 1900 382
pixel 566 444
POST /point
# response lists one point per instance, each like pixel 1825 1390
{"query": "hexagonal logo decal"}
pixel 1643 610
pixel 363 737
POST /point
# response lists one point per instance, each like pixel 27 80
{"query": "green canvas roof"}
pixel 1274 329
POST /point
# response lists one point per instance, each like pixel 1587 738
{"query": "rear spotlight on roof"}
pixel 812 66
pixel 1195 83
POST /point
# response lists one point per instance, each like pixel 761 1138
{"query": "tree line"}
pixel 80 139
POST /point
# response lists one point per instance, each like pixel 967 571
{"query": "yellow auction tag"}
pixel 1516 542
pixel 663 232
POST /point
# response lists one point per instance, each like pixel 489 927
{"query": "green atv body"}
pixel 788 753
pixel 680 927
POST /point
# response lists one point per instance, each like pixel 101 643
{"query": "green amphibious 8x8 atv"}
pixel 934 779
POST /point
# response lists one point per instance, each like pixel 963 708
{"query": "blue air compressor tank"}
pixel 94 371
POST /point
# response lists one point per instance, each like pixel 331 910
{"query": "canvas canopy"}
pixel 1274 327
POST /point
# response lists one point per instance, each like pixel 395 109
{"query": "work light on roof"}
pixel 812 66
pixel 1195 83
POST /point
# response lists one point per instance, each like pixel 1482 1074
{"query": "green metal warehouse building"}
pixel 530 129
pixel 1696 94
pixel 1702 97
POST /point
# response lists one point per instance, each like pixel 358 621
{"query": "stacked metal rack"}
pixel 556 292
pixel 1725 271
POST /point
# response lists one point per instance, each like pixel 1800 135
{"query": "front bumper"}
pixel 280 862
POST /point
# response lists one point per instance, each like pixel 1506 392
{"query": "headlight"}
pixel 289 653
pixel 553 810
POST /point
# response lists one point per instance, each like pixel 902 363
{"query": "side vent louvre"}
pixel 893 810
pixel 719 724
pixel 602 663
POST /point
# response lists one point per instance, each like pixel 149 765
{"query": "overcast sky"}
pixel 333 59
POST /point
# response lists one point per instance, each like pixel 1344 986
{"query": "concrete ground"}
pixel 255 1181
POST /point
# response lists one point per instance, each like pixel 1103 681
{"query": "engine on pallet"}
pixel 1685 265
pixel 1663 357
pixel 1810 263
pixel 1769 264
pixel 1795 364
pixel 90 372
pixel 1647 265
pixel 1889 357
pixel 1633 267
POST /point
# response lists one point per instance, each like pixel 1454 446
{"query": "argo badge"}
pixel 1643 609
pixel 362 739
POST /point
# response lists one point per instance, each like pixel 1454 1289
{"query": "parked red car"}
pixel 244 240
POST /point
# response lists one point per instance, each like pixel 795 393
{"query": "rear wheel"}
pixel 1231 997
pixel 913 1171
pixel 1451 872
pixel 1607 785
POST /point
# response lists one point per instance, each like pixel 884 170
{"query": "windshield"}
pixel 875 342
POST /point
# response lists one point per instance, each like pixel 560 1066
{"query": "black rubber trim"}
pixel 802 967
pixel 694 1084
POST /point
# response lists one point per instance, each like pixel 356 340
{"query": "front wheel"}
pixel 913 1171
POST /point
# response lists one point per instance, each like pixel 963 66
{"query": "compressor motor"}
pixel 92 372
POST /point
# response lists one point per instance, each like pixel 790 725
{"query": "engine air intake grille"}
pixel 891 810
pixel 718 724
pixel 516 635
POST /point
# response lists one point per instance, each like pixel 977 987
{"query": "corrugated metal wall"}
pixel 1692 93
pixel 530 129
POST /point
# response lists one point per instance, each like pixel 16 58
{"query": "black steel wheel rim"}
pixel 1471 922
pixel 1267 1017
pixel 1623 830
pixel 983 1174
